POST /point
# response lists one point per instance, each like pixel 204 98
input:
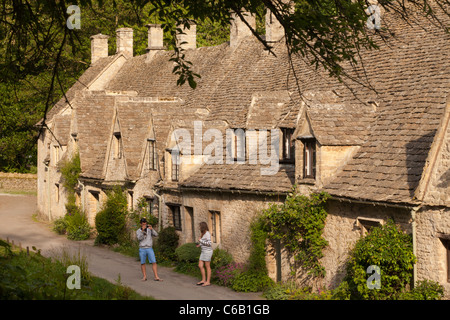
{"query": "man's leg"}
pixel 144 273
pixel 143 257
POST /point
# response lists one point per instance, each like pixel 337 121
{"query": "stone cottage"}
pixel 256 125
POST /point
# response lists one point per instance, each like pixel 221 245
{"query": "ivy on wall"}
pixel 299 223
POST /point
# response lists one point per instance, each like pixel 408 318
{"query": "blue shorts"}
pixel 147 252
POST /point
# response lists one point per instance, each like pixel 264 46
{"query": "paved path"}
pixel 16 223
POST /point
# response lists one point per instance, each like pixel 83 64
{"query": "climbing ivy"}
pixel 299 223
pixel 74 223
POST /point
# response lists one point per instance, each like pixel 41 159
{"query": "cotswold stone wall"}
pixel 433 233
pixel 18 182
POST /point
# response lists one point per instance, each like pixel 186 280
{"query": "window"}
pixel 214 222
pixel 309 158
pixel 238 145
pixel 175 165
pixel 57 193
pixel 175 211
pixel 190 225
pixel 445 239
pixel 130 200
pixel 367 224
pixel 94 202
pixel 150 205
pixel 152 157
pixel 288 154
pixel 117 145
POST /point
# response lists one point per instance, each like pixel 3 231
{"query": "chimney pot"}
pixel 124 38
pixel 99 47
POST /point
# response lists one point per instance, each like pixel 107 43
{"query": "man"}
pixel 144 235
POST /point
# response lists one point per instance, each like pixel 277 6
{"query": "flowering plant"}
pixel 226 274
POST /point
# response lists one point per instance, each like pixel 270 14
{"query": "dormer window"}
pixel 117 145
pixel 175 165
pixel 152 158
pixel 309 158
pixel 288 152
pixel 238 145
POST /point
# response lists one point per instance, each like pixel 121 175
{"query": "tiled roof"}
pixel 392 111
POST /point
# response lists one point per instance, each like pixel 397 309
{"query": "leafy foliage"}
pixel 167 243
pixel 74 223
pixel 110 222
pixel 389 248
pixel 299 224
pixel 188 252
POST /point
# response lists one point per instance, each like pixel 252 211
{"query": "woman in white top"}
pixel 205 257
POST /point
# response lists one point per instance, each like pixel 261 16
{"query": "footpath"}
pixel 16 224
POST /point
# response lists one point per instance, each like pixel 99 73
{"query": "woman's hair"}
pixel 203 227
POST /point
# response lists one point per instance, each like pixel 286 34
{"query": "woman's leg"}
pixel 208 273
pixel 202 271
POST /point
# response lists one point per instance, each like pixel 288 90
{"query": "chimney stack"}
pixel 155 37
pixel 99 47
pixel 124 38
pixel 239 30
pixel 274 29
pixel 189 36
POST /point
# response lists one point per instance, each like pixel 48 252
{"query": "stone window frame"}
pixel 365 224
pixel 175 210
pixel 287 154
pixel 175 165
pixel 309 157
pixel 152 155
pixel 445 240
pixel 118 150
pixel 215 223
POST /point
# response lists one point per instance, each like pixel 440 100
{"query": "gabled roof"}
pixel 411 74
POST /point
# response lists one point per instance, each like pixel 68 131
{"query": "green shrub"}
pixel 188 252
pixel 77 225
pixel 60 225
pixel 255 277
pixel 142 211
pixel 111 220
pixel 251 282
pixel 391 250
pixel 220 258
pixel 166 244
pixel 424 290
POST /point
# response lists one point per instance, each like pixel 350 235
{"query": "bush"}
pixel 226 274
pixel 111 220
pixel 60 225
pixel 391 250
pixel 424 290
pixel 167 243
pixel 251 282
pixel 77 225
pixel 188 252
pixel 220 258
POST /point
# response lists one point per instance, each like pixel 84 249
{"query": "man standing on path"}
pixel 144 235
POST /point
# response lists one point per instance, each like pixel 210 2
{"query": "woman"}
pixel 205 257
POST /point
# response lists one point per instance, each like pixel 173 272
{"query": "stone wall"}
pixel 433 229
pixel 18 182
pixel 343 227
